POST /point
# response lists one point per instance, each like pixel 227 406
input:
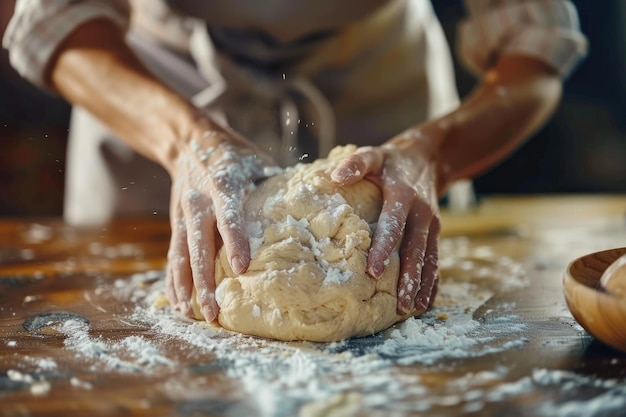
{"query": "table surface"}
pixel 82 331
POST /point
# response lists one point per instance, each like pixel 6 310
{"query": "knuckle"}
pixel 432 259
pixel 230 216
pixel 363 150
pixel 191 200
pixel 435 225
pixel 389 232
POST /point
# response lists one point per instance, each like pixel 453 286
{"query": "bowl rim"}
pixel 611 256
pixel 575 289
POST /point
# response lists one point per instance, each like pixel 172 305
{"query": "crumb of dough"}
pixel 161 301
pixel 442 316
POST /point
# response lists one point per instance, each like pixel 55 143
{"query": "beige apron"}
pixel 361 84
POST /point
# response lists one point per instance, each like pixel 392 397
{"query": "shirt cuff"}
pixel 33 39
pixel 545 30
pixel 560 49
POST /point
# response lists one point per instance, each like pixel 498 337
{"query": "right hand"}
pixel 209 180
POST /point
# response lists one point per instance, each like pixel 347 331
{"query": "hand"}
pixel 513 100
pixel 404 168
pixel 209 183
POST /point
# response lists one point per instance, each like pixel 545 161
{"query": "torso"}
pixel 284 20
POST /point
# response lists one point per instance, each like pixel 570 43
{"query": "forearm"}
pixel 514 99
pixel 95 69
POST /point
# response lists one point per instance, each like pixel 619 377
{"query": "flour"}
pixel 45 364
pixel 37 387
pixel 284 379
pixel 309 380
pixel 382 375
pixel 337 276
pixel 77 383
pixel 610 399
pixel 131 354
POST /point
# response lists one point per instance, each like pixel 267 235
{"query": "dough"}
pixel 309 241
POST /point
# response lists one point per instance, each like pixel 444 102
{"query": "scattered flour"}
pixel 45 364
pixel 308 379
pixel 278 379
pixel 131 354
pixel 77 383
pixel 606 397
pixel 284 379
pixel 37 387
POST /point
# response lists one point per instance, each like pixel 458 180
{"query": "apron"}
pixel 362 83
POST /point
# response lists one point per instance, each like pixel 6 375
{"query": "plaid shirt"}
pixel 544 29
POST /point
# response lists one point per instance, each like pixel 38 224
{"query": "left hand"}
pixel 514 98
pixel 405 170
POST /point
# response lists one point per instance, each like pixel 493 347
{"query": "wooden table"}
pixel 51 274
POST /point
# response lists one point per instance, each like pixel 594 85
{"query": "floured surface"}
pixel 307 279
pixel 499 341
pixel 284 379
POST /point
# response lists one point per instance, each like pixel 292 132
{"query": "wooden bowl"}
pixel 600 312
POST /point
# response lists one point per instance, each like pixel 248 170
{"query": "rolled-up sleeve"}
pixel 38 27
pixel 547 30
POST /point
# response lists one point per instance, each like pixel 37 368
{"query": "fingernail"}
pixel 209 313
pixel 377 269
pixel 341 175
pixel 237 265
pixel 403 307
pixel 336 176
pixel 183 307
pixel 422 302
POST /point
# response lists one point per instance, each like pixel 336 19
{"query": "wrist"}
pixel 426 141
pixel 192 132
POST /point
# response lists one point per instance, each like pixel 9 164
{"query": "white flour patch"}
pixel 131 354
pixel 578 395
pixel 78 383
pixel 36 385
pixel 45 364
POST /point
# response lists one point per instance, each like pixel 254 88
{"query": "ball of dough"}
pixel 307 279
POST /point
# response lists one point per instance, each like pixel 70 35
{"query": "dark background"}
pixel 581 150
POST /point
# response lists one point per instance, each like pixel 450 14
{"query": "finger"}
pixel 387 235
pixel 433 294
pixel 180 285
pixel 200 224
pixel 431 267
pixel 356 166
pixel 169 283
pixel 232 227
pixel 169 275
pixel 412 254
